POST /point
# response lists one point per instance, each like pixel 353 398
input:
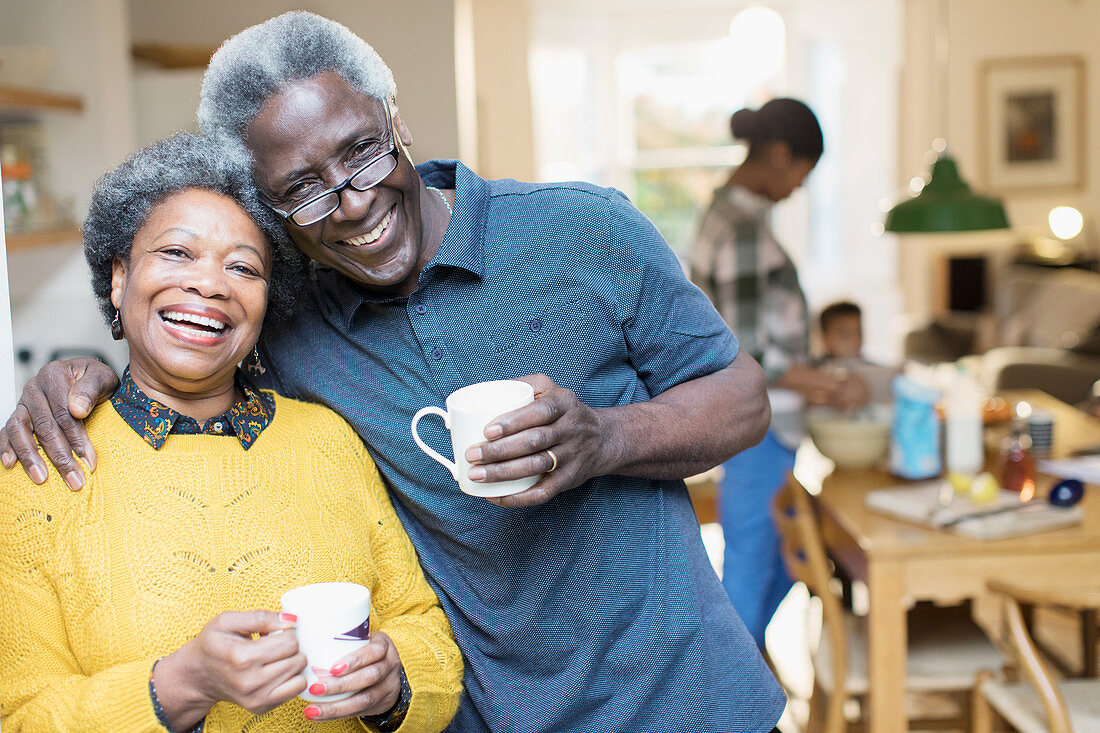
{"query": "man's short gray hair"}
pixel 124 197
pixel 260 61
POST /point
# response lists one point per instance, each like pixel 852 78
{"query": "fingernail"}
pixel 288 617
pixel 317 688
pixel 38 474
pixel 75 480
pixel 311 712
pixel 473 455
pixel 339 668
pixel 494 431
pixel 476 473
pixel 8 460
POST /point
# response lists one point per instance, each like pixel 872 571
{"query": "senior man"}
pixel 587 602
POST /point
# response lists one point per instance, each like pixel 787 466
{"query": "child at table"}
pixel 840 333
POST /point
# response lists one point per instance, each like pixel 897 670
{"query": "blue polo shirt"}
pixel 598 610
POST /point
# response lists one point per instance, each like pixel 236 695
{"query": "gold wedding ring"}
pixel 553 458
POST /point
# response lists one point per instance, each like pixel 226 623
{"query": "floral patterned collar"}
pixel 153 421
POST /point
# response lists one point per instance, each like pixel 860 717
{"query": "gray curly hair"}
pixel 124 197
pixel 260 61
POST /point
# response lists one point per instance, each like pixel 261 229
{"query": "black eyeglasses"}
pixel 367 177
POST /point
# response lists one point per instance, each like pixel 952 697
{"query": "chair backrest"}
pixel 1027 652
pixel 804 555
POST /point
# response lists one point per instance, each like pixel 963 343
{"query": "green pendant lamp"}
pixel 946 204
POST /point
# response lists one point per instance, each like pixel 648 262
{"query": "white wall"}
pixel 52 302
pixel 7 357
pixel 979 30
pixel 984 29
pixel 415 37
pixel 501 42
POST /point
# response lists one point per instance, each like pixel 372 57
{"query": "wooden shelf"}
pixel 173 55
pixel 22 98
pixel 43 237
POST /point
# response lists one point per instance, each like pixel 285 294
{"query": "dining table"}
pixel 902 563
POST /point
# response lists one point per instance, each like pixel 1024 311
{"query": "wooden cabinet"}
pixel 22 103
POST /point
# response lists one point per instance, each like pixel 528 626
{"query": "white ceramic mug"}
pixel 333 621
pixel 468 411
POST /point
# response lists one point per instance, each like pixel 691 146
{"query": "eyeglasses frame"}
pixel 347 181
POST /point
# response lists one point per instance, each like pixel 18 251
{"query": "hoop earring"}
pixel 116 327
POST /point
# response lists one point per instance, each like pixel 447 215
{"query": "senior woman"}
pixel 138 604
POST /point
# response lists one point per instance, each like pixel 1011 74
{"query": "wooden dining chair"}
pixel 1041 703
pixel 946 650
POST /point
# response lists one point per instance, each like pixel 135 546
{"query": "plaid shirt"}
pixel 751 280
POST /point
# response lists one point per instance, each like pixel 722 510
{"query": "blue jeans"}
pixel 753 571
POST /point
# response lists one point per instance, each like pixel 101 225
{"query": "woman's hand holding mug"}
pixel 237 657
pixel 372 674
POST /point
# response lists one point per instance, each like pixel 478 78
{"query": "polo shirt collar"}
pixel 463 244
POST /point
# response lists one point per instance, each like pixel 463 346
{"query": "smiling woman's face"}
pixel 193 294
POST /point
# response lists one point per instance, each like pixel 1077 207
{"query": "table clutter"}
pixel 1005 516
pixel 917 541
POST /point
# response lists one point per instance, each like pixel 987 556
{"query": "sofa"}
pixel 1043 332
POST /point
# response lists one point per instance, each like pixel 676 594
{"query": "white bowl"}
pixel 852 442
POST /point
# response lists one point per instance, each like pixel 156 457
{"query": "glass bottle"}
pixel 1017 466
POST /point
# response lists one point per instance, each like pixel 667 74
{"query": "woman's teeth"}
pixel 208 324
pixel 373 234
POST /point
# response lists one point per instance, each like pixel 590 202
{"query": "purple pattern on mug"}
pixel 359 633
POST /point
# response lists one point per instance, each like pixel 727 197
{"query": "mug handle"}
pixel 433 410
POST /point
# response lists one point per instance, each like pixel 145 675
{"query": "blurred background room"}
pixel 637 94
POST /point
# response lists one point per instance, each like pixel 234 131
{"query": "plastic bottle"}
pixel 964 452
pixel 915 432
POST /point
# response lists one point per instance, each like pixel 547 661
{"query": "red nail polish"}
pixel 339 668
pixel 288 617
pixel 317 688
pixel 311 712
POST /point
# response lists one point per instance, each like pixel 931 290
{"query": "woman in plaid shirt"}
pixel 753 283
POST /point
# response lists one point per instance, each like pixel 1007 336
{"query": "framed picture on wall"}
pixel 1032 122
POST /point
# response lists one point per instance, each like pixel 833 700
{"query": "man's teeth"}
pixel 372 234
pixel 192 318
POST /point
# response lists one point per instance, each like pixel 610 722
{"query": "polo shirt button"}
pixel 421 309
pixel 437 353
pixel 535 324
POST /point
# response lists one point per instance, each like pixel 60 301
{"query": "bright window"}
pixel 638 95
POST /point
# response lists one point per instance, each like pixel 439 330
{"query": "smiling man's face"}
pixel 313 135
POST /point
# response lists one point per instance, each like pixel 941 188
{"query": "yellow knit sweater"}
pixel 97 585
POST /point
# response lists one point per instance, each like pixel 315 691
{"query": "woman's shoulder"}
pixel 310 428
pixel 27 507
pixel 312 417
pixel 19 496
